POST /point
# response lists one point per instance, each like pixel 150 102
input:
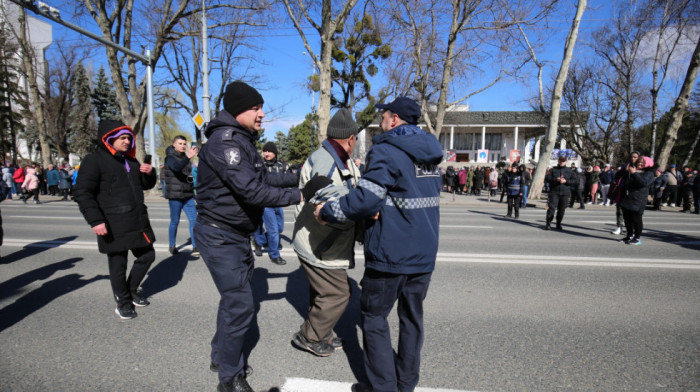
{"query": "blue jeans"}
pixel 176 206
pixel 273 218
pixel 524 201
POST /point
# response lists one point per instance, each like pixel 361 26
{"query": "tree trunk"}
pixel 551 136
pixel 679 108
pixel 692 149
pixel 29 67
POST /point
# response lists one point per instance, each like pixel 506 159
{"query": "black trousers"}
pixel 556 202
pixel 514 202
pixel 633 222
pixel 577 194
pixel 122 287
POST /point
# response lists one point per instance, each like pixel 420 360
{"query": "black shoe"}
pixel 195 252
pixel 173 250
pixel 582 208
pixel 626 240
pixel 139 300
pixel 237 384
pixel 278 260
pixel 321 349
pixel 125 311
pixel 547 226
pixel 508 216
pixel 214 367
pixel 559 226
pixel 257 249
pixel 517 216
pixel 360 387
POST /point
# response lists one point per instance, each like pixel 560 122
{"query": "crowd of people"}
pixel 30 180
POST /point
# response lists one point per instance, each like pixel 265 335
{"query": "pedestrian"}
pixel 5 192
pixel 401 188
pixel 558 178
pixel 8 181
pixel 450 178
pixel 65 182
pixel 109 193
pixel 527 179
pixel 52 179
pixel 462 177
pixel 686 190
pixel 18 178
pixel 270 229
pixel 696 194
pixel 673 179
pixel 326 252
pixel 504 185
pixel 618 188
pixel 577 188
pixel 470 180
pixel 515 185
pixel 478 180
pixel 179 189
pixel 638 178
pixel 493 182
pixel 606 178
pixel 233 187
pixel 658 186
pixel 31 185
pixel 595 183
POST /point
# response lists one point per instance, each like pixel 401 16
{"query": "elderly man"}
pixel 401 189
pixel 326 252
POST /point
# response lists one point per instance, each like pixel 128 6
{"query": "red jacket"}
pixel 18 176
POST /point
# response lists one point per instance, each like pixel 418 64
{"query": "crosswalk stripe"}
pixel 310 385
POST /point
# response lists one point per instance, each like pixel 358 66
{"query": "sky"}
pixel 287 66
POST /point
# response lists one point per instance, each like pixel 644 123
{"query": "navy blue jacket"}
pixel 233 185
pixel 402 182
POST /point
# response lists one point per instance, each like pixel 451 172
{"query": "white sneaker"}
pixel 673 204
pixel 607 204
pixel 617 231
pixel 664 205
pixel 590 202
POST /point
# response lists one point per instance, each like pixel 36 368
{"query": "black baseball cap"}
pixel 404 107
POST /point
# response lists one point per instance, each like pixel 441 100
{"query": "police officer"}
pixel 558 179
pixel 273 217
pixel 233 187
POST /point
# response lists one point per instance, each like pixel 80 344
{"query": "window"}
pixel 463 141
pixel 493 141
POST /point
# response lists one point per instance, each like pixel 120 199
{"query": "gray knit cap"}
pixel 342 125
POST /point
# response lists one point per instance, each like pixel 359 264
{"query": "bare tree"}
pixel 29 61
pixel 670 30
pixel 679 107
pixel 551 134
pixel 115 20
pixel 326 28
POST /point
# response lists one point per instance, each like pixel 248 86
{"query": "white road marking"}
pixel 309 385
pixel 443 257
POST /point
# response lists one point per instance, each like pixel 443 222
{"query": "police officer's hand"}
pixel 100 229
pixel 145 168
pixel 313 185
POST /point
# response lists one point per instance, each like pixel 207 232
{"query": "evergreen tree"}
pixel 12 98
pixel 105 99
pixel 82 130
pixel 300 143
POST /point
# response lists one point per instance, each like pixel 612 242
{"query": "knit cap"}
pixel 240 97
pixel 271 147
pixel 342 125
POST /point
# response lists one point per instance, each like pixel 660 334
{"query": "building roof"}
pixel 497 118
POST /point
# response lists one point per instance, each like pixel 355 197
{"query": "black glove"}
pixel 313 185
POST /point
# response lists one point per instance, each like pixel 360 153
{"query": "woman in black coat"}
pixel 109 192
pixel 638 178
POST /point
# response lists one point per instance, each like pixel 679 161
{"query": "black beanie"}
pixel 342 125
pixel 240 97
pixel 271 147
pixel 106 126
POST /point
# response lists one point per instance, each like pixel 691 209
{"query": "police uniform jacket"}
pixel 402 182
pixel 106 192
pixel 177 173
pixel 555 186
pixel 233 186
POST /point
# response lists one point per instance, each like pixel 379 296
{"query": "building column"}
pixel 452 138
pixel 483 137
pixel 515 139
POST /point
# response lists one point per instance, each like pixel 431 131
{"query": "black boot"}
pixel 548 226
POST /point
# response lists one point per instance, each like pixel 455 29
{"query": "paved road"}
pixel 511 308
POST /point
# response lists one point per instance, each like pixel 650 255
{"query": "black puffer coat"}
pixel 107 193
pixel 177 173
pixel 634 196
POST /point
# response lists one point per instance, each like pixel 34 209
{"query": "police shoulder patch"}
pixel 228 135
pixel 232 156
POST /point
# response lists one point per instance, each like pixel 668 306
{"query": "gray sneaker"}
pixel 321 349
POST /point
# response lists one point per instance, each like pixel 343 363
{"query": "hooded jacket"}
pixel 109 190
pixel 7 176
pixel 31 181
pixel 402 183
pixel 233 186
pixel 634 196
pixel 177 173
